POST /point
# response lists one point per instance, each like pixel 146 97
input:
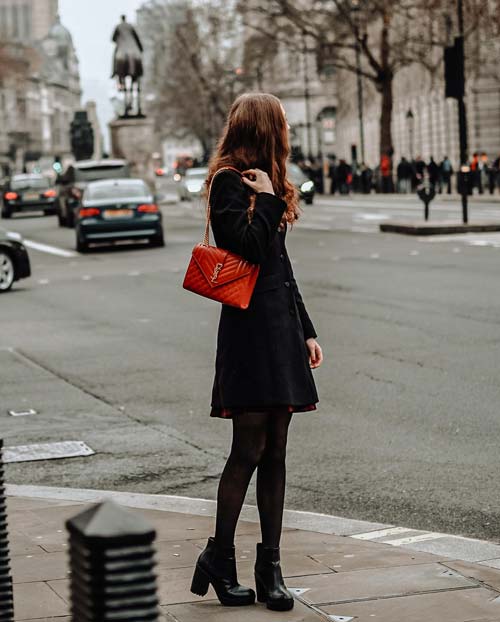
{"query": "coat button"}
pixel 282 256
pixel 287 283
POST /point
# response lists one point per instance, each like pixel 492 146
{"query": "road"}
pixel 110 350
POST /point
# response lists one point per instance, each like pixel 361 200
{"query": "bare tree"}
pixel 196 72
pixel 389 34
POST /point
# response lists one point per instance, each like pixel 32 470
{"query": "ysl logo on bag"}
pixel 217 269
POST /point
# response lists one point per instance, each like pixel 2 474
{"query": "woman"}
pixel 264 353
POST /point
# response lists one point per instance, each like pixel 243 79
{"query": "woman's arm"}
pixel 305 320
pixel 229 202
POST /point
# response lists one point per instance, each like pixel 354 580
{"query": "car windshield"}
pixel 196 173
pixel 100 172
pixel 296 174
pixel 116 191
pixel 30 182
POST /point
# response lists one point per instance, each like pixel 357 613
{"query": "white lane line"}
pixel 380 533
pixel 423 537
pixel 46 248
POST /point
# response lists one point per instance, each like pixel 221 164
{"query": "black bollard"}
pixel 112 561
pixel 6 595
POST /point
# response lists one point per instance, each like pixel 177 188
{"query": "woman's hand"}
pixel 315 353
pixel 259 180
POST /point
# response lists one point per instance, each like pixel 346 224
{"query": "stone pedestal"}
pixel 134 140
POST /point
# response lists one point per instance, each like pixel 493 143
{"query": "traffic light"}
pixel 454 71
pixel 82 136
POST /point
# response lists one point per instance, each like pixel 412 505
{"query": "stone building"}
pixel 39 96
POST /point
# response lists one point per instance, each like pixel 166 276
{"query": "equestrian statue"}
pixel 127 63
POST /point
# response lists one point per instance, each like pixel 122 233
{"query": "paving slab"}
pixel 382 583
pixel 476 572
pixel 466 549
pixel 37 600
pixel 43 567
pixel 212 611
pixel 474 605
pixel 348 558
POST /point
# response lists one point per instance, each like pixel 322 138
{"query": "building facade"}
pixel 41 91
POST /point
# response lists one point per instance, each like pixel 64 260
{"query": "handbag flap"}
pixel 219 266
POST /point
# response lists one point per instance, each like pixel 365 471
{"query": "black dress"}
pixel 262 360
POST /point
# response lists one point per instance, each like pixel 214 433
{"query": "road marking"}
pixel 380 533
pixel 46 248
pixel 43 281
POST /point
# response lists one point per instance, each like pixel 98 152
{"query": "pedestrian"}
pixel 332 173
pixel 343 174
pixel 264 353
pixel 446 173
pixel 494 175
pixel 317 175
pixel 386 173
pixel 476 173
pixel 366 178
pixel 434 174
pixel 404 173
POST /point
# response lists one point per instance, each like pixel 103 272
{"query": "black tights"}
pixel 259 441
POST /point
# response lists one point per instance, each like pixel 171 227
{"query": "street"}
pixel 110 350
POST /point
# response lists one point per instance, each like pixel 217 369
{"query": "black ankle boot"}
pixel 271 588
pixel 217 565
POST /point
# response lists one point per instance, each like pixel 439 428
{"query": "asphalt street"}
pixel 110 350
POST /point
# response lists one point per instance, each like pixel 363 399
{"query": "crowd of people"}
pixel 342 177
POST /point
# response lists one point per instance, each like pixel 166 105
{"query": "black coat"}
pixel 262 358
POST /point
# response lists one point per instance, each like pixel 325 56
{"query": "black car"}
pixel 74 181
pixel 14 260
pixel 29 192
pixel 304 185
pixel 118 209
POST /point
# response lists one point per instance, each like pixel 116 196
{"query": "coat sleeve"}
pixel 229 203
pixel 305 320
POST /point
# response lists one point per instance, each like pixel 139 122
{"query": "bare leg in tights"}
pixel 249 442
pixel 259 441
pixel 271 479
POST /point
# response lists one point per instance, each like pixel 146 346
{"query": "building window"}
pixel 26 20
pixel 15 22
pixel 3 21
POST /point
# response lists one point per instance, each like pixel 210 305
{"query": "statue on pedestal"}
pixel 127 63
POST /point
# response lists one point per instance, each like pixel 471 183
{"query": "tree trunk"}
pixel 385 85
pixel 386 117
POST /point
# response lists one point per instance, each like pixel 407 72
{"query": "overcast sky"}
pixel 91 23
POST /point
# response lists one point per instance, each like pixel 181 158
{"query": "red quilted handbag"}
pixel 219 274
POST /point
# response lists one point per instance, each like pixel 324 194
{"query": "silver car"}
pixel 192 184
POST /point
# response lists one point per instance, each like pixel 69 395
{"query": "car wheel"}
pixel 309 201
pixel 6 213
pixel 81 245
pixel 158 240
pixel 7 271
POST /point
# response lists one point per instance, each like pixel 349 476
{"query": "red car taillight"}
pixel 10 196
pixel 49 194
pixel 148 208
pixel 87 212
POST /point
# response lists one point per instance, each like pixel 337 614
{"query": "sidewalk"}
pixel 340 577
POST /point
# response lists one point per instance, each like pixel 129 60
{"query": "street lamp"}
pixel 355 9
pixel 410 118
pixel 307 96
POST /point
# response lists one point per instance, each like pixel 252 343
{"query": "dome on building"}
pixel 61 34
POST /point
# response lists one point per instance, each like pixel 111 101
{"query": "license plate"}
pixel 117 213
pixel 30 196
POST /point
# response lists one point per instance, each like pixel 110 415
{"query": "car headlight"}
pixel 12 235
pixel 307 186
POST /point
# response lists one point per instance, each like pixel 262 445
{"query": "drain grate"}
pixel 46 451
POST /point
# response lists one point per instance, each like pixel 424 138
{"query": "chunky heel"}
pixel 200 582
pixel 261 590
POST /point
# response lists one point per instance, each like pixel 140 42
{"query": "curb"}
pixel 436 228
pixel 454 547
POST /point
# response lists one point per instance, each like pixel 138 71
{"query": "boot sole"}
pixel 274 605
pixel 201 581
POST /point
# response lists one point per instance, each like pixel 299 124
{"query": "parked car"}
pixel 305 186
pixel 117 209
pixel 74 181
pixel 14 260
pixel 29 192
pixel 191 185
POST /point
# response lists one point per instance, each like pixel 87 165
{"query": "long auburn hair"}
pixel 256 136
